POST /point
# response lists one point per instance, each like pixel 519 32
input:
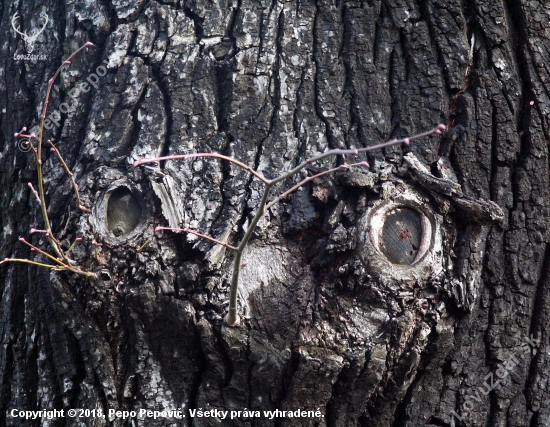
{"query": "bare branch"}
pixel 311 178
pixel 55 246
pixel 211 155
pixel 232 318
pixel 73 182
pixel 62 261
pixel 437 131
pixel 202 236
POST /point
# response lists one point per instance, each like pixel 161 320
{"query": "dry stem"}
pixel 63 262
pixel 73 182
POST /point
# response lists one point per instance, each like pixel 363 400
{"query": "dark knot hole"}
pixel 124 212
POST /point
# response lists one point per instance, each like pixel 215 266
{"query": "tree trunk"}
pixel 402 295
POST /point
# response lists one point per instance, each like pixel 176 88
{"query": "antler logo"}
pixel 29 39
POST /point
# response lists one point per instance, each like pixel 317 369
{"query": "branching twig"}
pixel 62 260
pixel 311 178
pixel 60 265
pixel 38 154
pixel 73 182
pixel 28 261
pixel 40 251
pixel 211 155
pixel 232 317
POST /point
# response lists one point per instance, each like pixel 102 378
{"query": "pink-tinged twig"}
pixel 97 246
pixel 27 140
pixel 210 155
pixel 38 153
pixel 40 251
pixel 35 193
pixel 202 236
pixel 68 251
pixel 52 80
pixel 25 136
pixel 61 265
pixel 438 130
pixel 311 178
pixel 63 262
pixel 34 230
pixel 48 233
pixel 73 182
pixel 28 261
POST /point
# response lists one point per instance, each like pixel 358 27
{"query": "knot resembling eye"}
pixel 124 212
pixel 401 235
pixel 120 214
pixel 401 231
pixel 401 238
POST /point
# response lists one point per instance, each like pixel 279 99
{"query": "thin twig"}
pixel 77 270
pixel 64 263
pixel 28 261
pixel 142 247
pixel 211 155
pixel 68 251
pixel 53 243
pixel 232 318
pixel 311 178
pixel 50 266
pixel 437 130
pixel 71 176
pixel 40 251
pixel 202 236
pixel 96 246
pixel 35 193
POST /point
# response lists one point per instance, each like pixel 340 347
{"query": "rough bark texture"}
pixel 329 324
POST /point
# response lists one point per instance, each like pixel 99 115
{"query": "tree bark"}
pixel 334 319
